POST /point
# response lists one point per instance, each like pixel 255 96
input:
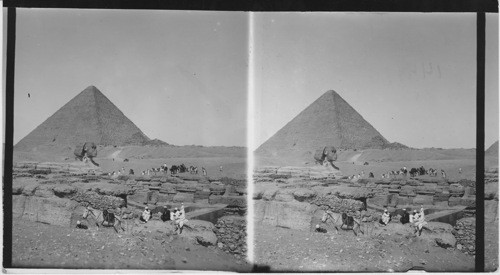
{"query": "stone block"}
pixel 380 200
pixel 423 200
pixel 393 200
pixel 238 201
pixel 405 200
pixel 469 201
pixel 454 201
pixel 184 197
pixel 303 194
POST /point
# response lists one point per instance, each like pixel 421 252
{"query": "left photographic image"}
pixel 130 140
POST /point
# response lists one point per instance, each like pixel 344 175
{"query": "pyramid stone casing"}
pixel 328 121
pixel 89 116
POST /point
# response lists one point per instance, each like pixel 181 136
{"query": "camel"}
pixel 339 220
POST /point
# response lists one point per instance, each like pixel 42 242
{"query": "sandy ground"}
pixel 491 246
pixel 233 167
pixel 451 167
pixel 37 245
pixel 282 250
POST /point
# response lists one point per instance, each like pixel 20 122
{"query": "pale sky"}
pixel 491 81
pixel 412 75
pixel 180 76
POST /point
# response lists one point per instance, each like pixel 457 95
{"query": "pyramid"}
pixel 89 116
pixel 492 150
pixel 328 121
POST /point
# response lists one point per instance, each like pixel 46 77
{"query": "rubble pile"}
pixel 465 233
pixel 231 235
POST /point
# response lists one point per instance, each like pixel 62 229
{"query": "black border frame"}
pixel 478 6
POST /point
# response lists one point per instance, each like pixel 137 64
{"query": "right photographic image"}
pixel 365 142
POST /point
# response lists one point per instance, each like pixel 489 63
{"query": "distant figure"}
pixel 320 229
pixel 81 226
pixel 146 215
pixel 371 175
pixel 204 171
pixel 406 217
pixel 29 96
pixel 165 215
pixel 413 216
pixel 220 168
pixel 443 174
pixel 180 219
pixel 386 218
pixel 419 222
pixel 460 170
pixel 131 172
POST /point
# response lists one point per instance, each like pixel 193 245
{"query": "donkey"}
pixel 339 220
pixel 105 219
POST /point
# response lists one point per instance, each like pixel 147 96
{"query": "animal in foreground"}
pixel 339 220
pixel 105 218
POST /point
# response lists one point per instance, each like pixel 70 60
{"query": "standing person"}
pixel 180 219
pixel 420 222
pixel 204 171
pixel 220 168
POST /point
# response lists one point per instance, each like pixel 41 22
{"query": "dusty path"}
pixel 115 154
pixel 37 245
pixel 292 250
pixel 354 158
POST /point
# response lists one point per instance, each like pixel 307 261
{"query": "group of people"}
pixel 178 216
pixel 163 169
pixel 415 219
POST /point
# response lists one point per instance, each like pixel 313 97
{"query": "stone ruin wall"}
pixel 301 204
pixel 415 192
pixel 231 234
pixel 305 193
pixel 56 195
